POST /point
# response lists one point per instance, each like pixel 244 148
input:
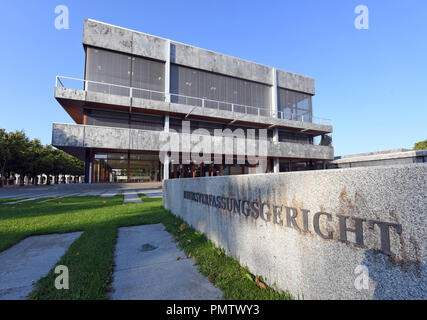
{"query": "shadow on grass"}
pixel 90 259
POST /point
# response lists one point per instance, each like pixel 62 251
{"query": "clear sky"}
pixel 371 83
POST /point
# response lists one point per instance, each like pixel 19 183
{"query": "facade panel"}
pixel 124 70
pixel 215 88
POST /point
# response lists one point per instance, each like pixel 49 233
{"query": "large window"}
pixel 125 167
pixel 105 118
pixel 219 91
pixel 294 105
pixel 109 67
pixel 141 121
pixel 286 136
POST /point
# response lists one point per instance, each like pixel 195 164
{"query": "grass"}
pixel 90 258
pixel 10 200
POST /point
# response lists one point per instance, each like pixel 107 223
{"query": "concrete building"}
pixel 137 87
pixel 380 158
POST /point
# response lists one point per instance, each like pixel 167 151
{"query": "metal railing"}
pixel 221 105
pixel 132 92
pixel 109 88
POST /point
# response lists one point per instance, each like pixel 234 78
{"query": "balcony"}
pixel 93 92
pixel 74 138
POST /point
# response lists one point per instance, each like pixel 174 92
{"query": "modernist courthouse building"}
pixel 137 86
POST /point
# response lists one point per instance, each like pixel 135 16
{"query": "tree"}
pixel 19 148
pixel 422 145
pixel 326 140
pixel 46 162
pixel 5 155
pixel 77 167
pixel 35 153
pixel 20 155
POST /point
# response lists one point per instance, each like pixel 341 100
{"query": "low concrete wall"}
pixel 331 234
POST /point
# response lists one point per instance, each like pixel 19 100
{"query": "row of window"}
pixel 189 86
pixel 188 82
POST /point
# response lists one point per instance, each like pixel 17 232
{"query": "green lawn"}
pixel 10 200
pixel 90 258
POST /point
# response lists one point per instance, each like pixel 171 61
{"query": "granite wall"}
pixel 331 234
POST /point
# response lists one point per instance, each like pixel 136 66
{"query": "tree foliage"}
pixel 20 155
pixel 422 145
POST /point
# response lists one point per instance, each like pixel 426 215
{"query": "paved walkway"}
pixel 131 196
pixel 28 261
pixel 152 190
pixel 150 266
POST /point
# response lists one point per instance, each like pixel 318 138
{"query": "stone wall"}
pixel 331 234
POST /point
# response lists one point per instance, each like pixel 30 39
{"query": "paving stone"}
pixel 158 273
pixel 28 261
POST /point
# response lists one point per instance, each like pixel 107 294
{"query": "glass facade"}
pixel 125 167
pixel 145 75
pixel 293 137
pixel 293 105
pixel 187 82
pixel 141 121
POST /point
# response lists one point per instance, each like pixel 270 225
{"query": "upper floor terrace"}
pixel 130 70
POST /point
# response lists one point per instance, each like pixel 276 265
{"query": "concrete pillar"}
pixel 274 106
pixel 276 168
pixel 166 157
pixel 167 71
pixel 88 165
pixel 275 135
pixel 90 173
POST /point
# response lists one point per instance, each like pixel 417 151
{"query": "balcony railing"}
pixel 132 92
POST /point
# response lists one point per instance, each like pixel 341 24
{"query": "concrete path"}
pixel 28 261
pixel 109 194
pixel 153 190
pixel 131 196
pixel 150 266
pixel 154 193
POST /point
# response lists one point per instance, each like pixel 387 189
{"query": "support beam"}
pixel 166 167
pixel 167 71
pixel 128 171
pixel 274 105
pixel 276 165
pixel 275 135
pixel 186 116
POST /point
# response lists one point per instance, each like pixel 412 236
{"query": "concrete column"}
pixel 276 168
pixel 166 158
pixel 275 135
pixel 276 165
pixel 274 106
pixel 90 173
pixel 88 165
pixel 167 71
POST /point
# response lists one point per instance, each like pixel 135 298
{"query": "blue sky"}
pixel 371 83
